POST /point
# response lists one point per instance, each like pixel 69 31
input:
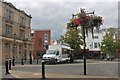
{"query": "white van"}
pixel 57 53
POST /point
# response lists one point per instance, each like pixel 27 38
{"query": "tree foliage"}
pixel 73 38
pixel 108 45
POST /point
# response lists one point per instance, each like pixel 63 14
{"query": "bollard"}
pixel 43 69
pixel 30 60
pixel 13 62
pixel 10 64
pixel 6 66
pixel 84 66
pixel 22 62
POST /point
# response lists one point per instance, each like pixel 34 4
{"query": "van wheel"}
pixel 55 61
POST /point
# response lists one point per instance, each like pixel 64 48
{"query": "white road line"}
pixel 14 75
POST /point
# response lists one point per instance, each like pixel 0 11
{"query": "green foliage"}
pixel 108 44
pixel 74 39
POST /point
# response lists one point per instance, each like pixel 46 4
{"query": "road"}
pixel 95 68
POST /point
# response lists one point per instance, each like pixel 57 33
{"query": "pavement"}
pixel 26 74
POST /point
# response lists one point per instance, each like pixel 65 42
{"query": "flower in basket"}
pixel 77 21
pixel 73 23
pixel 85 20
pixel 97 21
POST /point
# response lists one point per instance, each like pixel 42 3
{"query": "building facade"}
pixel 93 43
pixel 41 41
pixel 15 30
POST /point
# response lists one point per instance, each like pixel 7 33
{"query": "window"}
pixel 9 15
pixel 45 45
pixel 95 45
pixel 46 40
pixel 40 42
pixel 95 37
pixel 22 21
pixel 21 33
pixel 91 45
pixel 46 37
pixel 9 30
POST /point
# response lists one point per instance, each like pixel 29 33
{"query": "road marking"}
pixel 14 75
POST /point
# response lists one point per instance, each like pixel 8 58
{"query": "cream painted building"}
pixel 15 32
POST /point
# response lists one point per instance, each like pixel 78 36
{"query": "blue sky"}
pixel 54 14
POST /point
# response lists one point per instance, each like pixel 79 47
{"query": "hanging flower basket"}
pixel 84 20
pixel 97 21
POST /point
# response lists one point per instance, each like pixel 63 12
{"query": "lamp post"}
pixel 22 62
pixel 85 45
pixel 83 16
pixel 86 22
pixel 7 66
pixel 14 50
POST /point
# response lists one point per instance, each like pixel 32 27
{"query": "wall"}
pixel 39 39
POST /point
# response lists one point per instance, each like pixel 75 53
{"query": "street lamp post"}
pixel 14 50
pixel 22 62
pixel 84 51
pixel 83 33
pixel 86 22
pixel 83 28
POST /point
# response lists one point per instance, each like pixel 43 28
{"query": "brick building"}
pixel 41 41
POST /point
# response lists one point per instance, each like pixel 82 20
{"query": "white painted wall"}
pixel 90 42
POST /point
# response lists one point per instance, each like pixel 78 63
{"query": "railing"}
pixel 7 35
pixel 9 20
pixel 18 38
pixel 22 26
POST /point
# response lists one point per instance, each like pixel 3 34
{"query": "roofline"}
pixel 41 29
pixel 11 5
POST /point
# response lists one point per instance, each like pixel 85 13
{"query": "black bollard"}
pixel 10 64
pixel 22 62
pixel 6 66
pixel 13 62
pixel 43 69
pixel 84 66
pixel 30 60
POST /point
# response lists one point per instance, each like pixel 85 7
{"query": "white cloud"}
pixel 63 0
pixel 54 14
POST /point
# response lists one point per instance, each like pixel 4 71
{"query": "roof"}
pixel 11 5
pixel 41 30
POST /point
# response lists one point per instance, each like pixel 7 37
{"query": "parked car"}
pixel 110 58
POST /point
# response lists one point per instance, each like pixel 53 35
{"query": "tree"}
pixel 73 38
pixel 108 45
